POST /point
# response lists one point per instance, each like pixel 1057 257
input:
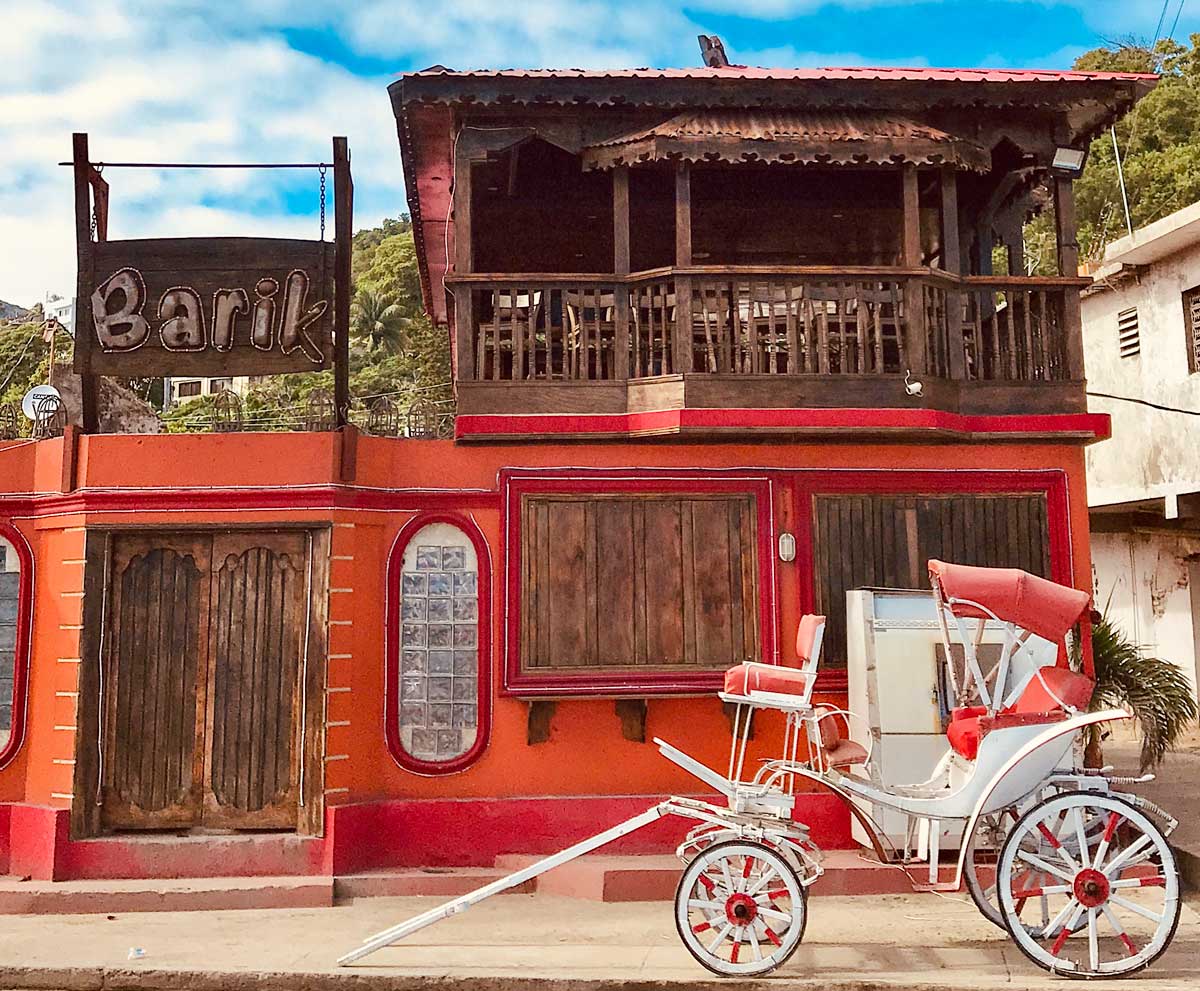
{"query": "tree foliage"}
pixel 395 351
pixel 25 356
pixel 1159 142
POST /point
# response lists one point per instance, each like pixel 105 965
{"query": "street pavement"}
pixel 531 941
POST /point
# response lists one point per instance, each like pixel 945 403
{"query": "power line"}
pixel 1175 23
pixel 1145 402
pixel 1158 26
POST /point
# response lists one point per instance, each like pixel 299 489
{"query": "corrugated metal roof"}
pixel 766 125
pixel 831 73
pixel 799 136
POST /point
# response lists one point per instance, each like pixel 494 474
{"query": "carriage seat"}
pixel 837 749
pixel 968 726
pixel 753 676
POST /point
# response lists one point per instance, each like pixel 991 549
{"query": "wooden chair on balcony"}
pixel 591 333
pixel 879 331
pixel 652 322
pixel 829 325
pixel 507 344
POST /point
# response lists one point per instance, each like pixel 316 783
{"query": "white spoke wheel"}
pixel 740 909
pixel 1104 882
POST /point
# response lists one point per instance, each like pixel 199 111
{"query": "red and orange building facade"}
pixel 682 423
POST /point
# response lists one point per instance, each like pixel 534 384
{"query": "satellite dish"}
pixel 35 398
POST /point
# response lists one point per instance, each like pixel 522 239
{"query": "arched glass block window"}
pixel 438 646
pixel 16 573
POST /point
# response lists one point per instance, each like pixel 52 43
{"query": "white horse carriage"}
pixel 1078 873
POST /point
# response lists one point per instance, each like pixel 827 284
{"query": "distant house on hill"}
pixel 1141 329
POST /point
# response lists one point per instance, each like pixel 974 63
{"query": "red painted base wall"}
pixel 34 840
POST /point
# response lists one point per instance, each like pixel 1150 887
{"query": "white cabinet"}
pixel 898 685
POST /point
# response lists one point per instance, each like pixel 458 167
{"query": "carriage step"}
pixel 653 878
pixel 442 882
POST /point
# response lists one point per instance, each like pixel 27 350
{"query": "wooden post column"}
pixel 1068 265
pixel 952 263
pixel 914 294
pixel 681 358
pixel 621 268
pixel 343 236
pixel 464 264
pixel 84 284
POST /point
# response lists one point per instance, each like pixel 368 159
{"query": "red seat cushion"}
pixel 752 677
pixel 966 727
pixel 1073 688
pixel 964 735
pixel 844 753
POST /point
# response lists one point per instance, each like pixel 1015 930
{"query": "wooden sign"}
pixel 210 306
pixel 213 306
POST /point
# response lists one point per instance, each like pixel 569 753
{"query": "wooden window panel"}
pixel 885 541
pixel 637 582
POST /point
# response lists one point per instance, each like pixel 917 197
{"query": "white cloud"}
pixel 147 88
pixel 185 80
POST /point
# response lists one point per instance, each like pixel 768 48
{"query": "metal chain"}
pixel 95 224
pixel 322 168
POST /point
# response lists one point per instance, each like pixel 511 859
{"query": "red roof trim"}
pixel 750 72
pixel 1089 426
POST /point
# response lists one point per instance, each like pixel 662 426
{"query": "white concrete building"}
pixel 1141 329
pixel 179 389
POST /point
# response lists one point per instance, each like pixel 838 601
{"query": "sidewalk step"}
pixel 654 878
pixel 444 882
pixel 113 897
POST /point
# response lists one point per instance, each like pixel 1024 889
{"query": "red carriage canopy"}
pixel 1032 603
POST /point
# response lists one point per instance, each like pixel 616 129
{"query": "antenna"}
pixel 1121 180
pixel 713 51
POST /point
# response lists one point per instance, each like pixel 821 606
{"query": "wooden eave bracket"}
pixel 541 713
pixel 632 713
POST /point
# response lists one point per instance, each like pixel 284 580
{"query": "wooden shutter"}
pixel 203 662
pixel 153 714
pixel 884 541
pixel 637 581
pixel 256 645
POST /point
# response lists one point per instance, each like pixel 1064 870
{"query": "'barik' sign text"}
pixel 211 306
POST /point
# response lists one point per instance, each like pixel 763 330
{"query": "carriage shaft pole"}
pixel 463 902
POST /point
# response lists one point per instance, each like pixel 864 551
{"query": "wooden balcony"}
pixel 767 337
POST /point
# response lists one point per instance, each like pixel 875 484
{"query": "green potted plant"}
pixel 1155 691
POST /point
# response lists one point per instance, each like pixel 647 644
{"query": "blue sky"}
pixel 274 79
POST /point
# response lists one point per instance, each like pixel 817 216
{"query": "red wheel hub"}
pixel 740 909
pixel 1091 888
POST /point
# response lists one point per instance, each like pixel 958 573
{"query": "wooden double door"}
pixel 208 644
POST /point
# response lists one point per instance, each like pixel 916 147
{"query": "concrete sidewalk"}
pixel 530 941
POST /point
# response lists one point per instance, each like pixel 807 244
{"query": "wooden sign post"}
pixel 343 211
pixel 215 306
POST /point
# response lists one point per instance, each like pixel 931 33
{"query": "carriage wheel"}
pixel 1109 896
pixel 740 909
pixel 983 853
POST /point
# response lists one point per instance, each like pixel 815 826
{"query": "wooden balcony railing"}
pixel 767 322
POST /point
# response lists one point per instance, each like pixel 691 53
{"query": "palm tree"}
pixel 378 320
pixel 1156 691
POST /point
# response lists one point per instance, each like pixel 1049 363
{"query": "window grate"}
pixel 1191 312
pixel 1129 340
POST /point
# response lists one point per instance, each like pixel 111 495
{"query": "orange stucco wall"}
pixel 586 755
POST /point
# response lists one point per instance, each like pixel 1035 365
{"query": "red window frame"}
pixel 21 653
pixel 391 708
pixel 514 483
pixel 807 483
